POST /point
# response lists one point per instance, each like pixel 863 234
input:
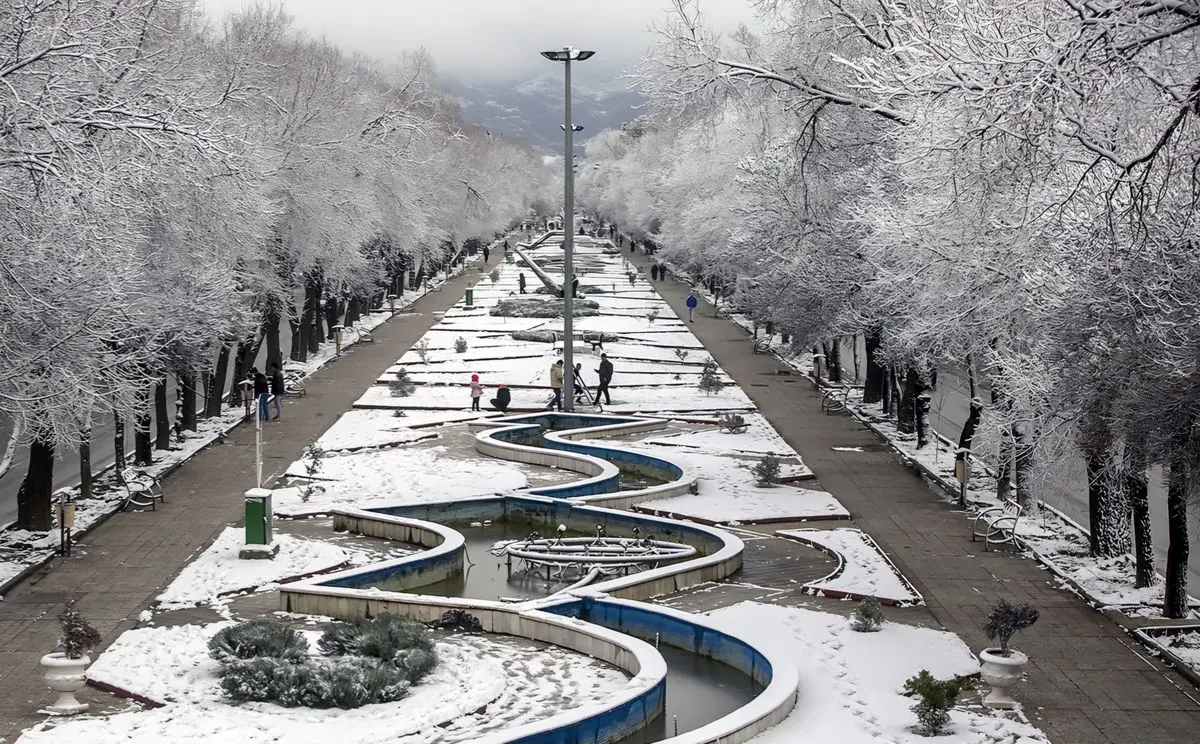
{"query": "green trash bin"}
pixel 470 298
pixel 258 517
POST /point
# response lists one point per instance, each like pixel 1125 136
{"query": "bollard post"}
pixel 260 541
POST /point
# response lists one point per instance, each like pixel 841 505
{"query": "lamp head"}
pixel 568 54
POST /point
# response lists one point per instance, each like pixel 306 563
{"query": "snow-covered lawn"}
pixel 863 570
pixel 364 429
pixel 482 683
pixel 760 438
pixel 851 683
pixel 1183 644
pixel 395 476
pixel 749 504
pixel 218 571
pixel 651 400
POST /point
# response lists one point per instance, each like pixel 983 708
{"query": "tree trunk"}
pixel 967 436
pixel 142 454
pixel 353 311
pixel 162 416
pixel 1108 509
pixel 185 390
pixel 332 306
pixel 873 387
pixel 270 332
pixel 34 508
pixel 247 352
pixel 216 384
pixel 885 384
pixel 833 360
pixel 308 340
pixel 921 411
pixel 1023 466
pixel 1004 457
pixel 85 466
pixel 1137 494
pixel 906 410
pixel 1175 594
pixel 118 442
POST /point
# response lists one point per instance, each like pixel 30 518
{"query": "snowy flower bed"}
pixel 748 504
pixel 759 438
pixel 393 476
pixel 218 571
pixel 1179 644
pixel 851 683
pixel 863 569
pixel 482 683
pixel 355 430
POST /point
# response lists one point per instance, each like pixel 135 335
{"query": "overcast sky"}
pixel 495 40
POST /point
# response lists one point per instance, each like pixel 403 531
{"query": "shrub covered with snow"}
pixel 368 661
pixel 937 697
pixel 766 471
pixel 460 345
pixel 78 636
pixel 460 620
pixel 868 618
pixel 529 307
pixel 402 386
pixel 709 381
pixel 541 336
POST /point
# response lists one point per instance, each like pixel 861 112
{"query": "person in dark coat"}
pixel 502 400
pixel 605 372
pixel 262 392
pixel 487 253
pixel 521 282
pixel 277 389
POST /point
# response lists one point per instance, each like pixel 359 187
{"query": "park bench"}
pixel 997 525
pixel 364 333
pixel 762 345
pixel 141 489
pixel 835 398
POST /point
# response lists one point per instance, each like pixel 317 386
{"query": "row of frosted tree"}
pixel 178 190
pixel 1002 187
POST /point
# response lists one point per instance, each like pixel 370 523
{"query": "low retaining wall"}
pixel 779 676
pixel 442 559
pixel 641 702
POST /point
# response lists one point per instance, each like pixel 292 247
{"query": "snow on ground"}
pixel 851 683
pixel 394 476
pixel 723 473
pixel 482 683
pixel 360 429
pixel 864 571
pixel 760 438
pixel 749 504
pixel 1185 645
pixel 218 571
pixel 652 400
pixel 647 352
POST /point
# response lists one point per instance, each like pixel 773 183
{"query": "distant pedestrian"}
pixel 654 272
pixel 277 388
pixel 262 392
pixel 556 385
pixel 486 254
pixel 506 246
pixel 633 246
pixel 502 400
pixel 521 282
pixel 691 306
pixel 605 372
pixel 476 392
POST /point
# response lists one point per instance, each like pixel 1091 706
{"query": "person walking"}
pixel 691 306
pixel 605 373
pixel 521 282
pixel 476 392
pixel 262 392
pixel 502 400
pixel 556 384
pixel 277 388
pixel 486 254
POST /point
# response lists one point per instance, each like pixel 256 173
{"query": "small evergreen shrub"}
pixel 868 618
pixel 403 644
pixel 937 698
pixel 682 354
pixel 78 636
pixel 460 345
pixel 270 639
pixel 652 316
pixel 494 275
pixel 766 471
pixel 632 278
pixel 1005 620
pixel 540 336
pixel 733 423
pixel 402 386
pixel 422 349
pixel 709 381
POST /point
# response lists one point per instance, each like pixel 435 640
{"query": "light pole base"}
pixel 259 552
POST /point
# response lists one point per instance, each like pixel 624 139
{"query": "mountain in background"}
pixel 532 111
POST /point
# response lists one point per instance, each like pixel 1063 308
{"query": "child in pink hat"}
pixel 476 393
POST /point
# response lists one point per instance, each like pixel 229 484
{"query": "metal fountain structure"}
pixel 583 559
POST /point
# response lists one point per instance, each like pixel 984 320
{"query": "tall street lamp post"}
pixel 567 55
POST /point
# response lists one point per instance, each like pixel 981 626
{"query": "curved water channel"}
pixel 699 689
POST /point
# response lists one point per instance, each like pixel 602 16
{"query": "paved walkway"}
pixel 1088 682
pixel 119 568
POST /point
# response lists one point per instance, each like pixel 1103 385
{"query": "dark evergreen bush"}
pixel 270 639
pixel 459 620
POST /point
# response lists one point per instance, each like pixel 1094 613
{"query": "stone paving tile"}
pixel 121 566
pixel 1089 682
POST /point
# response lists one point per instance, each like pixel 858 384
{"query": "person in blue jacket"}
pixel 691 306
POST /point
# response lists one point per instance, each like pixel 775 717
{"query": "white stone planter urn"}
pixel 65 676
pixel 1001 673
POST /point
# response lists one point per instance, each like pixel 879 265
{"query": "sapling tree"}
pixel 766 471
pixel 402 386
pixel 710 381
pixel 460 345
pixel 1006 619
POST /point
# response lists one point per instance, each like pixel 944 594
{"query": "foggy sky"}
pixel 495 41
